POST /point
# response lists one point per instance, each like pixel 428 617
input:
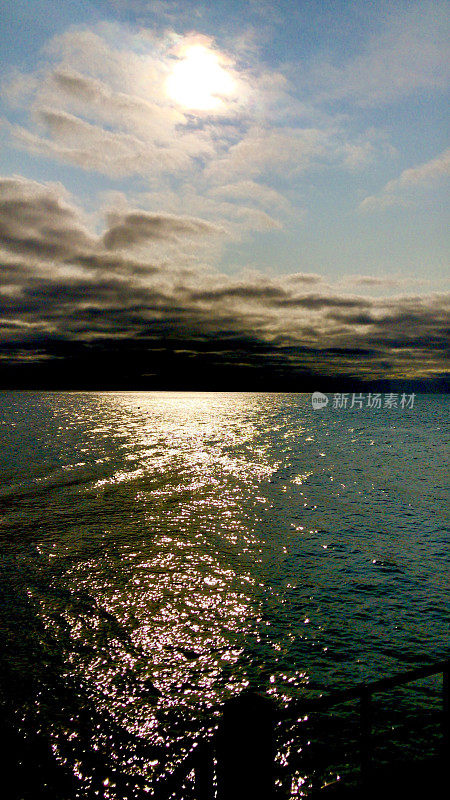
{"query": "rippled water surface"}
pixel 163 551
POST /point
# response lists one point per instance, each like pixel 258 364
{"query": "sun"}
pixel 199 81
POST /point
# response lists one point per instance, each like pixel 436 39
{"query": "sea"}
pixel 162 552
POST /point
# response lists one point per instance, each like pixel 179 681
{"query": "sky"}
pixel 236 195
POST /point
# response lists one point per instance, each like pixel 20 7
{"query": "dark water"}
pixel 162 551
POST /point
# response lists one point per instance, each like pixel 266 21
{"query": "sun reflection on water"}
pixel 170 612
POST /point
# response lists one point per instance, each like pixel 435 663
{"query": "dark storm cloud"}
pixel 86 308
pixel 241 292
pixel 35 220
pixel 319 301
pixel 101 262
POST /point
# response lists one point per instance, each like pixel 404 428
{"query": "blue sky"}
pixel 234 151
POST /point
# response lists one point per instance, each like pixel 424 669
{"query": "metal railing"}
pixel 239 761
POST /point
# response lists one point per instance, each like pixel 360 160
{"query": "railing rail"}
pixel 355 692
pixel 165 788
pixel 250 718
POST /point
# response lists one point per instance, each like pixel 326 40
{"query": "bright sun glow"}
pixel 199 81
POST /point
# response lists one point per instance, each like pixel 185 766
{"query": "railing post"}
pixel 366 731
pixel 245 749
pixel 204 773
pixel 446 713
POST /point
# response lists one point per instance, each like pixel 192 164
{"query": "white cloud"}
pixel 237 217
pixel 105 108
pixel 259 193
pixel 264 149
pixel 113 153
pixel 399 190
pixel 409 53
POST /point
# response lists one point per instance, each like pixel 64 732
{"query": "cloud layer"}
pixel 69 292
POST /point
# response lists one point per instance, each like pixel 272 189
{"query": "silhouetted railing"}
pixel 239 761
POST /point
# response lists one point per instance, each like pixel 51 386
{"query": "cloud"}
pixel 237 215
pixel 37 220
pixel 398 191
pixel 382 282
pixel 104 107
pixel 139 273
pixel 264 149
pixel 39 223
pixel 78 299
pixel 116 154
pixel 258 193
pixel 127 230
pixel 407 54
pixel 82 92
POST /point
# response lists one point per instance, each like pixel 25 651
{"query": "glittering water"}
pixel 163 551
